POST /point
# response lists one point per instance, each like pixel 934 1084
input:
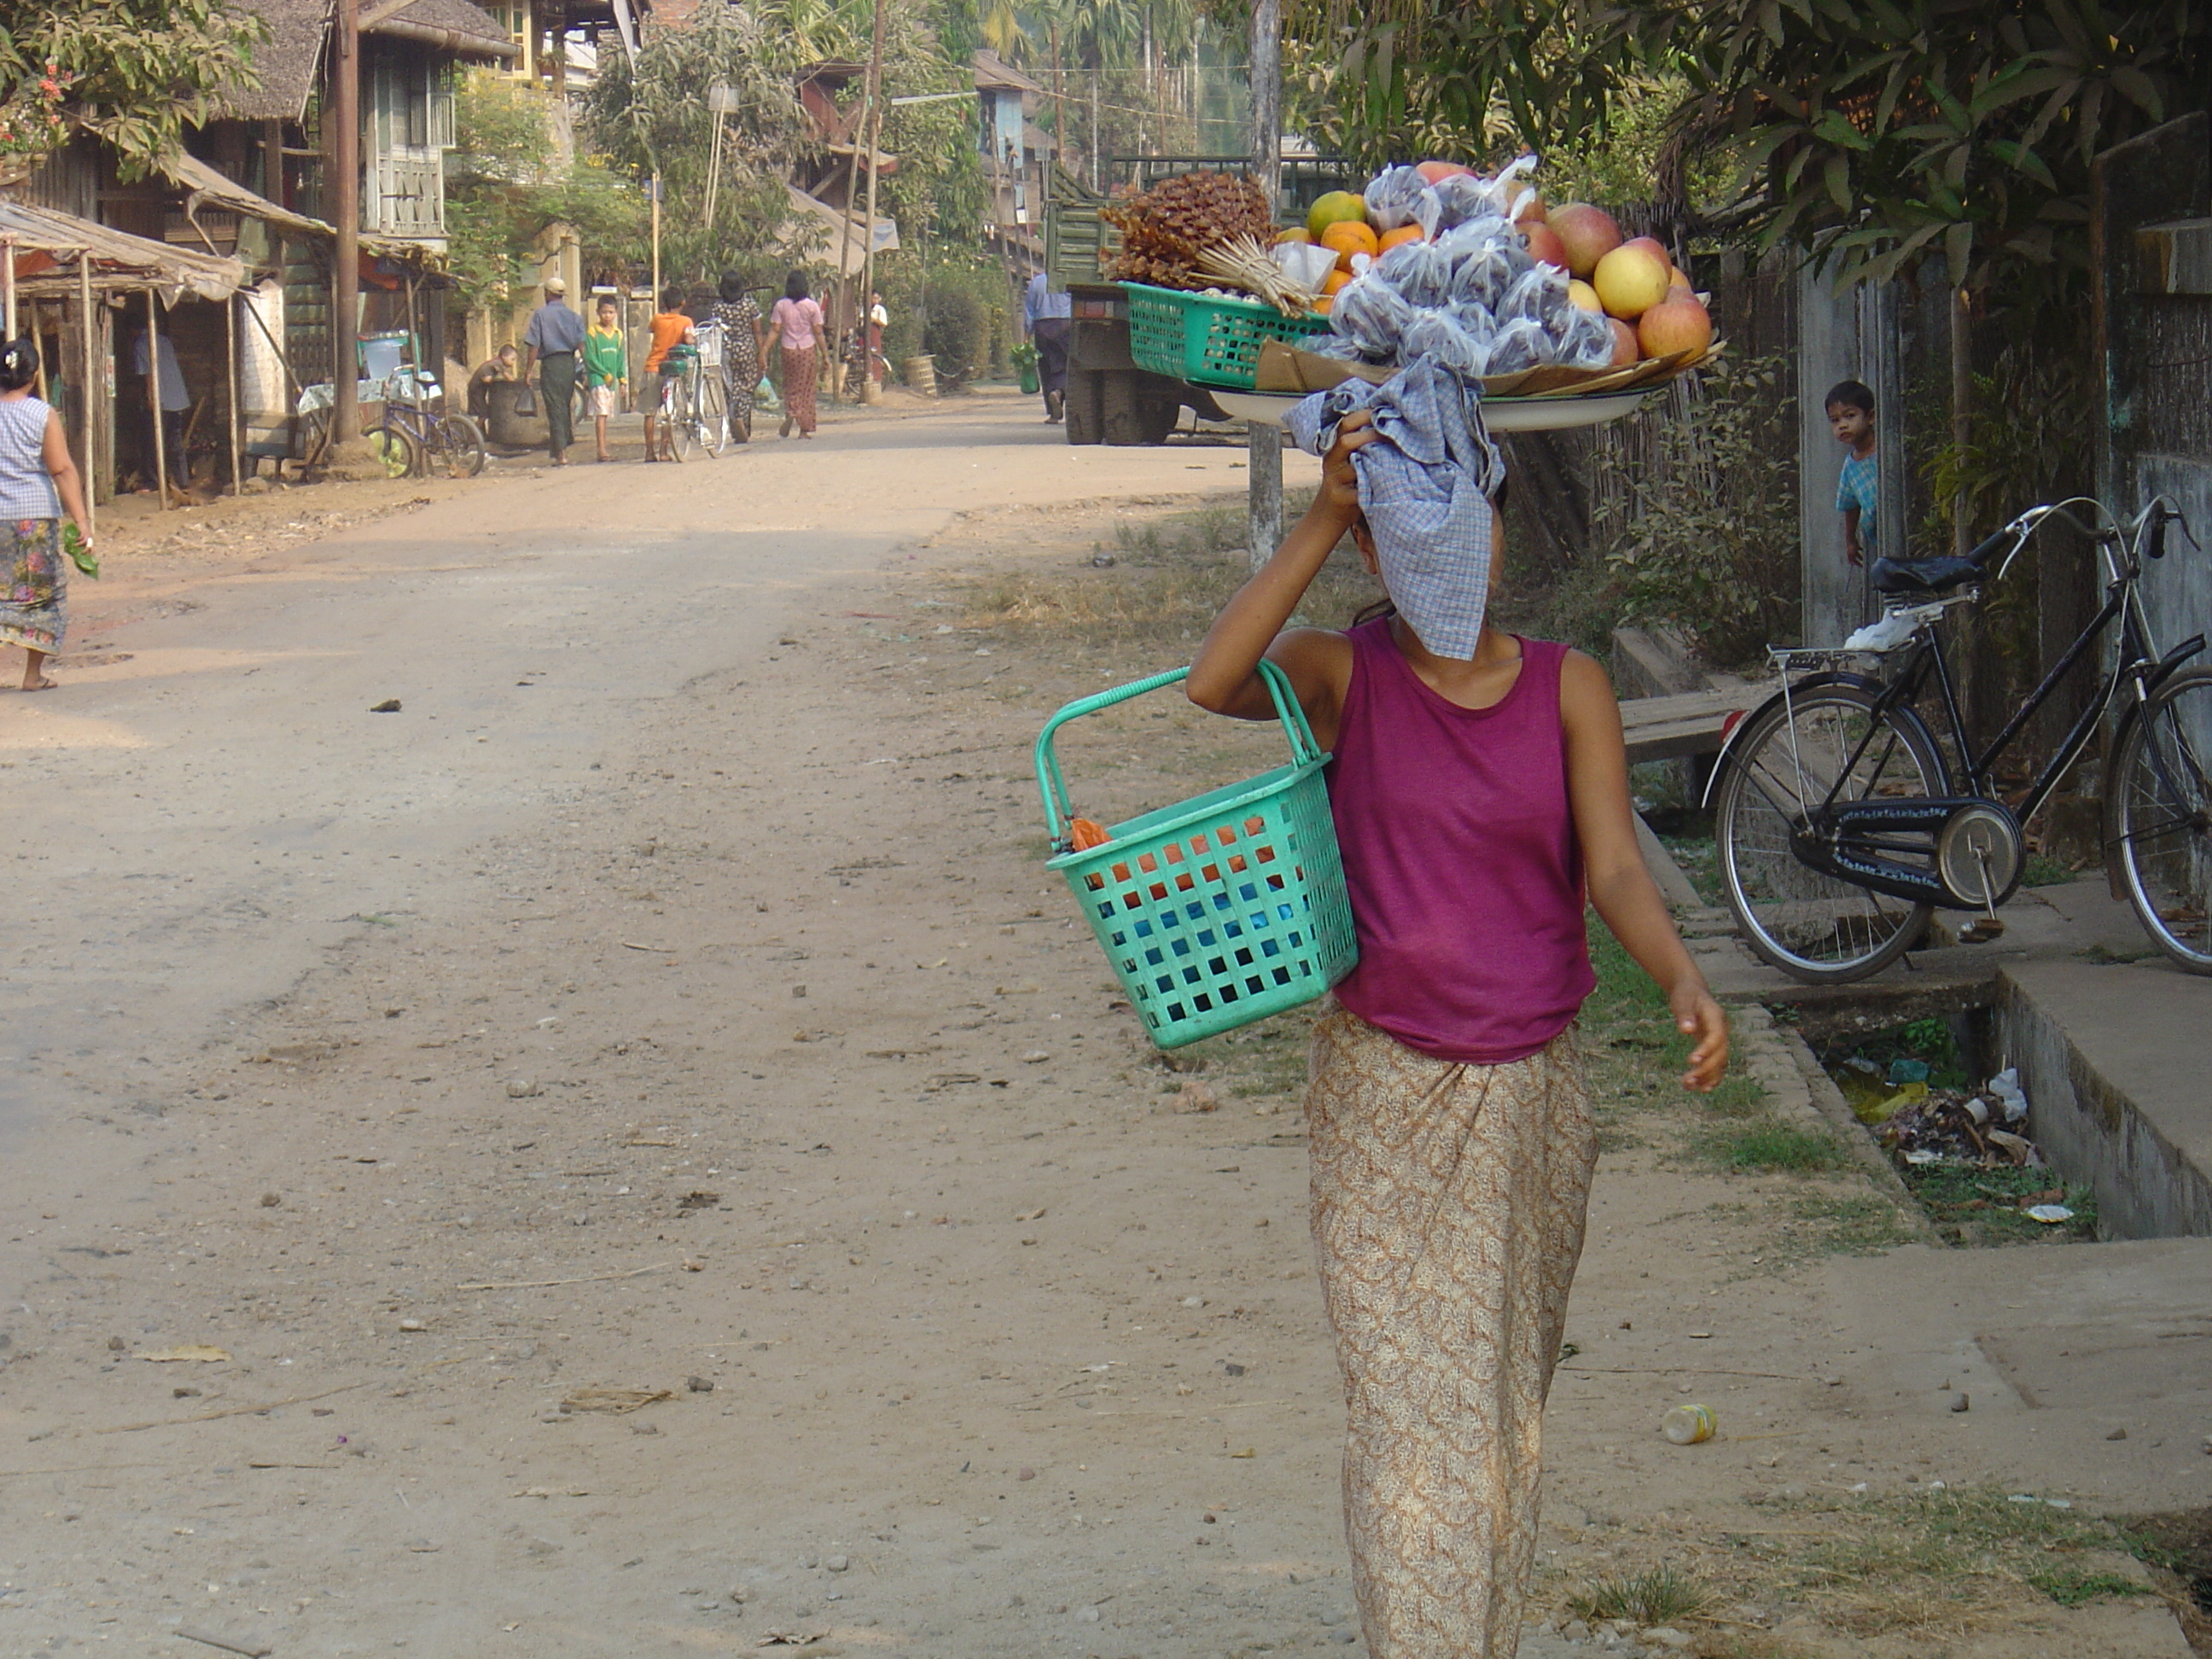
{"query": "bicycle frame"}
pixel 2139 668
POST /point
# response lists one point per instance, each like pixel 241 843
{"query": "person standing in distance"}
pixel 797 321
pixel 38 485
pixel 1047 318
pixel 550 345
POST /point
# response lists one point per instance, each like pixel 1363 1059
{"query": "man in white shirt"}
pixel 175 400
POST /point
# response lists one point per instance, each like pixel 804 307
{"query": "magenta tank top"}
pixel 1460 855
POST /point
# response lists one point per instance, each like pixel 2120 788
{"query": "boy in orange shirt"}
pixel 671 328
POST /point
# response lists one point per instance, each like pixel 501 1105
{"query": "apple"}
pixel 1629 281
pixel 1587 235
pixel 1674 325
pixel 1584 294
pixel 1653 245
pixel 1626 349
pixel 1531 211
pixel 1544 246
pixel 1436 173
pixel 1678 286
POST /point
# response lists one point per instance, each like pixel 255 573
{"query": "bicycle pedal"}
pixel 1981 931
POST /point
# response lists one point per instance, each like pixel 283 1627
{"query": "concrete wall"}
pixel 2093 1131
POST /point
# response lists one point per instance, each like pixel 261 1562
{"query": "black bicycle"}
pixel 1842 824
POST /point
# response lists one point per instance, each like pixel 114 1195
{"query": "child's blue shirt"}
pixel 1860 487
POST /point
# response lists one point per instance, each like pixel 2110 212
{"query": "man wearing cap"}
pixel 550 345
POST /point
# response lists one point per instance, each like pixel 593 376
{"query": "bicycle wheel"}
pixel 713 429
pixel 395 448
pixel 683 423
pixel 458 443
pixel 2162 811
pixel 1814 927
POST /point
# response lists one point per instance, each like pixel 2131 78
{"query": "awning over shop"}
pixel 819 232
pixel 211 189
pixel 49 247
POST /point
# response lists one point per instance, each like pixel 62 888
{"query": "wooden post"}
pixel 7 281
pixel 343 146
pixel 85 402
pixel 154 401
pixel 237 413
pixel 1264 441
pixel 656 239
pixel 1962 402
pixel 871 130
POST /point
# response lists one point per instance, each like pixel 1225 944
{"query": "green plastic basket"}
pixel 1219 911
pixel 1205 340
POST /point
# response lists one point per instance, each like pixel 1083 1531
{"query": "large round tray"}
pixel 1551 413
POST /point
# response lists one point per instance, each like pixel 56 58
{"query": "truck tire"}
pixel 1135 412
pixel 1081 412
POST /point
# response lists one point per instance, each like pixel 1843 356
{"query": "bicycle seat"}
pixel 1923 575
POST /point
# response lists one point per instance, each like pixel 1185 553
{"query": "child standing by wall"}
pixel 606 367
pixel 1479 788
pixel 1858 492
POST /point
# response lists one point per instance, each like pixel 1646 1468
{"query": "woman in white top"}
pixel 37 484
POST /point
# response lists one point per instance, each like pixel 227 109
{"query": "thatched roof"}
pixel 286 62
pixel 289 62
pixel 47 246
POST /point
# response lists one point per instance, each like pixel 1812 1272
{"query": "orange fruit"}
pixel 1321 306
pixel 1295 234
pixel 1335 279
pixel 1348 237
pixel 1391 239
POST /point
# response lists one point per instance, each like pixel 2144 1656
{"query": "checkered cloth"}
pixel 1426 489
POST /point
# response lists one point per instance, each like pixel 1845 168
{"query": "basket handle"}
pixel 1050 784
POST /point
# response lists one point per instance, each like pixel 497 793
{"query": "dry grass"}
pixel 1166 583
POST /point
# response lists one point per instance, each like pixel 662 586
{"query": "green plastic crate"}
pixel 1220 911
pixel 1205 340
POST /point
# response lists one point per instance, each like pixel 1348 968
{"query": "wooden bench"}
pixel 1671 728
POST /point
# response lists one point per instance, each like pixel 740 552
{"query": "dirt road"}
pixel 628 1152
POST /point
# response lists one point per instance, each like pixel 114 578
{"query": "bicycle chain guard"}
pixel 1974 860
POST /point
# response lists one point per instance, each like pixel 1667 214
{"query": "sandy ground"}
pixel 655 1168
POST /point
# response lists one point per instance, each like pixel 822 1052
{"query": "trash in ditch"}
pixel 1928 1125
pixel 2051 1214
pixel 1908 1071
pixel 2005 1086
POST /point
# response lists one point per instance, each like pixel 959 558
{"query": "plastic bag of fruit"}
pixel 1393 196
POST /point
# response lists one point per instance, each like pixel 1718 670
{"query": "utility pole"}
pixel 342 146
pixel 871 135
pixel 1264 440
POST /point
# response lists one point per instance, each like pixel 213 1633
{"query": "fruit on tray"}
pixel 1674 325
pixel 1631 279
pixel 1437 172
pixel 1163 230
pixel 1584 295
pixel 1348 237
pixel 1545 247
pixel 1588 233
pixel 1338 207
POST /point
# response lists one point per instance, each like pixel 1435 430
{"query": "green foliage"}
pixel 1884 136
pixel 956 335
pixel 135 72
pixel 658 121
pixel 504 190
pixel 1708 536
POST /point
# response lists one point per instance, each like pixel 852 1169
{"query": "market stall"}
pixel 66 278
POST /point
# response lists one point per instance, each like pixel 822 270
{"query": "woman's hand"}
pixel 1697 1016
pixel 1339 496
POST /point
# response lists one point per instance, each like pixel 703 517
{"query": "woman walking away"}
pixel 1479 789
pixel 740 319
pixel 38 485
pixel 671 329
pixel 798 321
pixel 606 366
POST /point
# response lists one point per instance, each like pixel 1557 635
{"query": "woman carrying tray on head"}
pixel 1480 791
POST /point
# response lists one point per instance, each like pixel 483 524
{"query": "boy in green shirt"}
pixel 606 367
